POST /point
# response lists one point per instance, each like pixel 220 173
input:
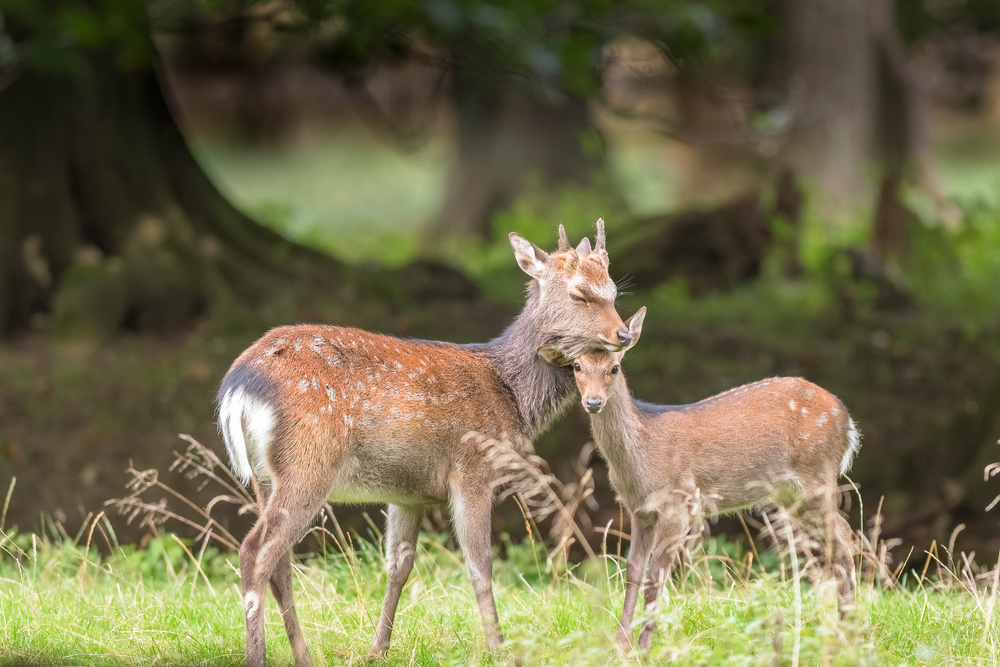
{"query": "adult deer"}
pixel 310 413
pixel 783 441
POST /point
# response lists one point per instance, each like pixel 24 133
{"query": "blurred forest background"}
pixel 792 187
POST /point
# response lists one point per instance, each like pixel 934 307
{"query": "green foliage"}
pixel 956 272
pixel 59 37
pixel 534 215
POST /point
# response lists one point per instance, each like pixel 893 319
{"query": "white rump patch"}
pixel 854 440
pixel 247 424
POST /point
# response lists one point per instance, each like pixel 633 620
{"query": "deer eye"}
pixel 615 369
pixel 577 298
pixel 576 368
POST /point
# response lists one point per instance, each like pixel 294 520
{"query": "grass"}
pixel 60 604
pixel 177 601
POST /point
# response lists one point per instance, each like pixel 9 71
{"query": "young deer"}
pixel 310 413
pixel 783 441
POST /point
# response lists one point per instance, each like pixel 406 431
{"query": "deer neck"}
pixel 618 432
pixel 540 391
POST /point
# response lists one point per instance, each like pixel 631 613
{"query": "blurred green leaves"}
pixel 57 37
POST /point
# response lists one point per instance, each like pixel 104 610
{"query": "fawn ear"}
pixel 532 259
pixel 553 356
pixel 634 326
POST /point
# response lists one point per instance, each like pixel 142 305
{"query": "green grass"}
pixel 347 193
pixel 168 604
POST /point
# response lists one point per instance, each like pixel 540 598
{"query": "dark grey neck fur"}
pixel 540 391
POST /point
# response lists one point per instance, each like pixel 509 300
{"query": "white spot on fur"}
pixel 331 394
pixel 251 602
pixel 821 419
pixel 804 411
pixel 791 405
pixel 303 385
pixel 315 383
pixel 348 420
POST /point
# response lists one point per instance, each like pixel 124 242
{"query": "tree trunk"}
pixel 827 65
pixel 505 136
pixel 106 219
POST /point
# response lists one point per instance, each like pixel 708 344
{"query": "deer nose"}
pixel 593 404
pixel 624 337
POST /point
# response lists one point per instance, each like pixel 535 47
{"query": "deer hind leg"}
pixel 281 586
pixel 472 512
pixel 643 530
pixel 265 556
pixel 401 530
pixel 821 517
pixel 671 533
pixel 841 552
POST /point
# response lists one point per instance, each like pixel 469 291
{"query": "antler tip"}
pixel 563 241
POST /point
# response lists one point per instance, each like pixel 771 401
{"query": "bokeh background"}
pixel 792 187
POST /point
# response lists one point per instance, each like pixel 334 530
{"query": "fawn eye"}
pixel 577 298
pixel 615 369
pixel 576 368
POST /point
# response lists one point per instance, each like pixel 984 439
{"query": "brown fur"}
pixel 360 417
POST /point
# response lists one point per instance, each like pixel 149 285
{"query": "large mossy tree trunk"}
pixel 106 219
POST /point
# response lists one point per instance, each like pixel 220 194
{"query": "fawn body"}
pixel 783 441
pixel 311 413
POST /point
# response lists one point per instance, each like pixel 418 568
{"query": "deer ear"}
pixel 532 259
pixel 634 326
pixel 553 356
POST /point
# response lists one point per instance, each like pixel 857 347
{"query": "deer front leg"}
pixel 643 526
pixel 670 535
pixel 472 512
pixel 401 529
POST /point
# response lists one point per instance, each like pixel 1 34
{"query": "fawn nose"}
pixel 624 337
pixel 593 404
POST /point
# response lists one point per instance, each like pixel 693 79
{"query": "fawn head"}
pixel 572 297
pixel 596 372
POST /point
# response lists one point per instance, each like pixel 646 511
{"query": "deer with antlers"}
pixel 783 441
pixel 310 413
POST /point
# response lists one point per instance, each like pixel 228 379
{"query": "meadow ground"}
pixel 176 602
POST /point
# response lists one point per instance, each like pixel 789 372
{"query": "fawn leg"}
pixel 670 534
pixel 643 527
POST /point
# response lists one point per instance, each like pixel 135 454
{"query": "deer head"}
pixel 572 297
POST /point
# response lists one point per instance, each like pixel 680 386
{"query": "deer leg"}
pixel 281 586
pixel 401 529
pixel 670 534
pixel 833 532
pixel 265 556
pixel 841 554
pixel 472 513
pixel 643 527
